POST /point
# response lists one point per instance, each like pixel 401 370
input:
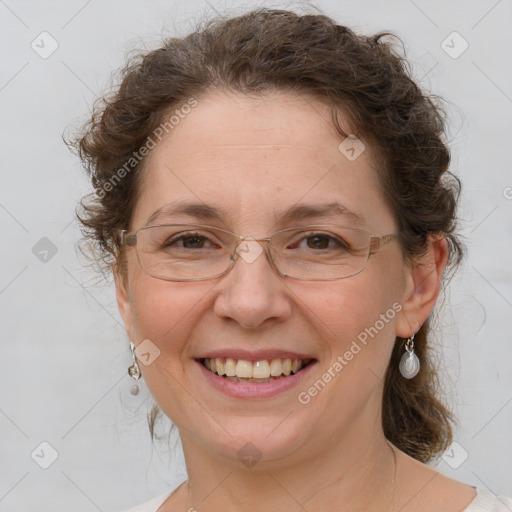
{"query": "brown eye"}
pixel 189 241
pixel 193 242
pixel 318 241
pixel 321 242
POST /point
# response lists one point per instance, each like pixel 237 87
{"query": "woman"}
pixel 274 201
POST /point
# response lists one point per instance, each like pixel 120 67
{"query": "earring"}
pixel 134 369
pixel 409 364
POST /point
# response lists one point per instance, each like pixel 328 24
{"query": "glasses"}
pixel 195 252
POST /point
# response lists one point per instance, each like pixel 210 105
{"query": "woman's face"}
pixel 253 160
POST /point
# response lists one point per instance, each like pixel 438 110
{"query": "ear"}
pixel 423 279
pixel 123 302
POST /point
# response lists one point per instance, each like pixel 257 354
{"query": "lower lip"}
pixel 254 389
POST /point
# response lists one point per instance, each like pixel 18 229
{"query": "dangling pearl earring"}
pixel 134 369
pixel 409 364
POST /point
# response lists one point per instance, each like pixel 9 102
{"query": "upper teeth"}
pixel 258 370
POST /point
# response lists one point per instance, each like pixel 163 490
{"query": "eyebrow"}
pixel 199 210
pixel 206 212
pixel 313 211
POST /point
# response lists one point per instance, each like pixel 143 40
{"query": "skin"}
pixel 253 158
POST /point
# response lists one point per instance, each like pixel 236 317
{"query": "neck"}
pixel 355 472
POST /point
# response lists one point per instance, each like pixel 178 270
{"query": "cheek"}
pixel 356 323
pixel 355 317
pixel 165 312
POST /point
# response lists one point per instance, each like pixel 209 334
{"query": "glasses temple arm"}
pixel 128 239
pixel 376 242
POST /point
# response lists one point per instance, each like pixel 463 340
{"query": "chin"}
pixel 259 442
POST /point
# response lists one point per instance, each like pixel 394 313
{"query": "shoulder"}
pixel 152 505
pixel 421 488
pixel 486 501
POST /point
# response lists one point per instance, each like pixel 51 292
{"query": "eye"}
pixel 189 241
pixel 319 241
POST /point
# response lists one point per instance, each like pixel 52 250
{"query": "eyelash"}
pixel 338 242
pixel 183 236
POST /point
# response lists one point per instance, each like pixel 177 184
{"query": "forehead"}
pixel 252 156
pixel 226 121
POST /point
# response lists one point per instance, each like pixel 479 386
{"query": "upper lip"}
pixel 257 355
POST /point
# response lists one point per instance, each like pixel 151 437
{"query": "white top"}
pixel 484 501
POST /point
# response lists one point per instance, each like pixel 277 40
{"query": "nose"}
pixel 252 293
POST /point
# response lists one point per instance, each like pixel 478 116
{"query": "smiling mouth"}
pixel 266 370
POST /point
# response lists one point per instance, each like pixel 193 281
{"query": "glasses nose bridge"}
pixel 240 239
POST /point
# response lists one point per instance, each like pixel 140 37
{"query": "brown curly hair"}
pixel 365 77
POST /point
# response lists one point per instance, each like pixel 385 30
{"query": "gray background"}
pixel 64 352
